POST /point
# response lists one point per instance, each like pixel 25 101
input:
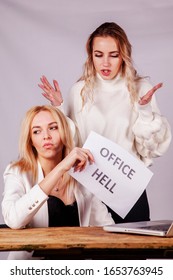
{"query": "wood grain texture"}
pixel 76 237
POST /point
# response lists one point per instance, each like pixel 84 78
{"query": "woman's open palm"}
pixel 52 93
pixel 147 97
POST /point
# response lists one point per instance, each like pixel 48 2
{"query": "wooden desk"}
pixel 85 243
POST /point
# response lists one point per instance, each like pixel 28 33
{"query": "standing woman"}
pixel 113 100
pixel 38 190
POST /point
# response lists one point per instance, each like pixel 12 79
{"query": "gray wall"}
pixel 48 37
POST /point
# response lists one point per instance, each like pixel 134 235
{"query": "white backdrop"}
pixel 48 37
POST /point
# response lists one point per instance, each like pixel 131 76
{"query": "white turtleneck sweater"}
pixel 139 129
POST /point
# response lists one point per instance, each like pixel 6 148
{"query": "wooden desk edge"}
pixel 69 238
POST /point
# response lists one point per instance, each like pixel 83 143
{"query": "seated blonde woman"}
pixel 38 191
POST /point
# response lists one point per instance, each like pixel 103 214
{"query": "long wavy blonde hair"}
pixel 27 153
pixel 127 69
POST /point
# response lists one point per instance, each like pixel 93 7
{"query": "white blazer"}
pixel 24 205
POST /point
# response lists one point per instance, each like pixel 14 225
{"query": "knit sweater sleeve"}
pixel 152 132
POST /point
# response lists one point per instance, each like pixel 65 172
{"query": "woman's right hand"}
pixel 53 94
pixel 77 158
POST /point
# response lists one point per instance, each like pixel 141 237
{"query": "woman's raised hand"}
pixel 53 94
pixel 147 97
pixel 78 159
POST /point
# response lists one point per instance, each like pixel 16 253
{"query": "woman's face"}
pixel 106 57
pixel 45 136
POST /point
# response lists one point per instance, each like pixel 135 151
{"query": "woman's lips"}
pixel 105 72
pixel 47 145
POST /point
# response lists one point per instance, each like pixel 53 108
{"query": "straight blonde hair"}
pixel 27 153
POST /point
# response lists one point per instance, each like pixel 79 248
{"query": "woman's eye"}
pixel 36 131
pixel 98 55
pixel 111 55
pixel 115 55
pixel 53 127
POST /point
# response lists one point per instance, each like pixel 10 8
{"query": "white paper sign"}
pixel 116 178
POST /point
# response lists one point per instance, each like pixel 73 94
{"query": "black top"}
pixel 139 212
pixel 61 215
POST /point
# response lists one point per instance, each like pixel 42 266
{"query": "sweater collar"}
pixel 108 83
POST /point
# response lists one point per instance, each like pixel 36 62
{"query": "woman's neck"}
pixel 49 164
pixel 109 84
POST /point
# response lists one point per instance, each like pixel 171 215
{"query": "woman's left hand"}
pixel 147 97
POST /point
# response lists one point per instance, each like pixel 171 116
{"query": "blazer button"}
pixel 30 208
pixel 33 205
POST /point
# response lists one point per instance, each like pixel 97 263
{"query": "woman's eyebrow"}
pixel 38 126
pixel 52 123
pixel 116 51
pixel 35 126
